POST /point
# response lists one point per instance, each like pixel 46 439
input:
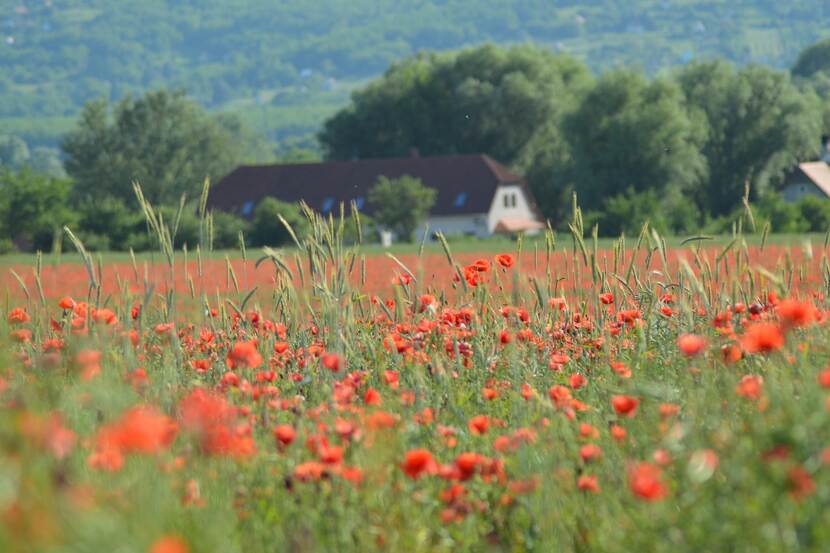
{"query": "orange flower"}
pixel 794 313
pixel 141 429
pixel 625 406
pixel 505 260
pixel 801 483
pixel 750 387
pixel 18 315
pixel 332 361
pixel 691 345
pixel 284 434
pixel 169 544
pixel 417 462
pixel 644 479
pixel 588 483
pixel 762 338
pixel 244 354
pixel 479 424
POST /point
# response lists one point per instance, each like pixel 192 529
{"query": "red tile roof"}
pixel 465 183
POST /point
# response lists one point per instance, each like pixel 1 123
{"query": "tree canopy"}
pixel 401 204
pixel 162 140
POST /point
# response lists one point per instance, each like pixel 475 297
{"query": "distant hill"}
pixel 285 66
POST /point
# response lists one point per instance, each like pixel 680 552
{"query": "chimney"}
pixel 825 148
pixel 414 152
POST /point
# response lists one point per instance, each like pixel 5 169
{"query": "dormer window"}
pixel 460 199
pixel 509 200
pixel 328 203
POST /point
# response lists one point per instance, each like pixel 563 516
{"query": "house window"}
pixel 509 200
pixel 512 200
pixel 247 208
pixel 328 203
pixel 359 202
pixel 460 199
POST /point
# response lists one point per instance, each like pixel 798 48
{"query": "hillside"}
pixel 285 66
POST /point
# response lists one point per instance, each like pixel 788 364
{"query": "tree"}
pixel 507 103
pixel 14 152
pixel 757 125
pixel 631 134
pixel 812 60
pixel 33 208
pixel 401 204
pixel 266 227
pixel 162 140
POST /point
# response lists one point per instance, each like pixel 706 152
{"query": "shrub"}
pixel 266 227
pixel 33 208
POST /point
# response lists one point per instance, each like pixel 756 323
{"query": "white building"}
pixel 811 178
pixel 475 195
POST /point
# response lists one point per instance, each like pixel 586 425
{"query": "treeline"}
pixel 56 55
pixel 164 141
pixel 677 149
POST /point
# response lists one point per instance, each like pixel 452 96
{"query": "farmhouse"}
pixel 476 195
pixel 811 178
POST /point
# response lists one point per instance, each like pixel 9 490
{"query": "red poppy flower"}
pixel 284 434
pixel 795 313
pixel 607 298
pixel 691 345
pixel 762 338
pixel 625 406
pixel 750 387
pixel 505 260
pixel 332 362
pixel 644 479
pixel 588 483
pixel 244 354
pixel 479 424
pixel 169 544
pixel 417 462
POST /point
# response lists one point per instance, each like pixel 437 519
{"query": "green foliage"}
pixel 15 154
pixel 33 208
pixel 163 141
pixel 809 214
pixel 483 99
pixel 266 227
pixel 226 228
pixel 812 60
pixel 234 54
pixel 631 133
pixel 401 204
pixel 756 123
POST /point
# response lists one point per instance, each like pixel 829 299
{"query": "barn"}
pixel 476 195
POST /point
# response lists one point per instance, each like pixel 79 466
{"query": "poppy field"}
pixel 559 398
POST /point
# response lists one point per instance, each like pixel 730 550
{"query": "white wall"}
pixel 799 189
pixel 499 211
pixel 474 224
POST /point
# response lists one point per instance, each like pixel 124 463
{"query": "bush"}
pixel 782 216
pixel 266 227
pixel 816 213
pixel 226 227
pixel 33 208
pixel 108 223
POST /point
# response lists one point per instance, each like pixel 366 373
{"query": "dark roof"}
pixel 465 183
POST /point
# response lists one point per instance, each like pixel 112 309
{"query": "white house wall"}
pixel 474 224
pixel 799 189
pixel 498 211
